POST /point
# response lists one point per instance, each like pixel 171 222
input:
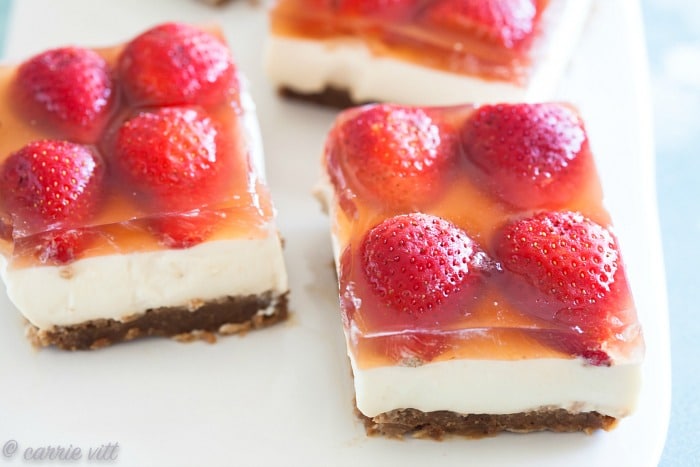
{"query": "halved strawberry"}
pixel 56 247
pixel 172 155
pixel 574 342
pixel 69 89
pixel 528 155
pixel 49 184
pixel 419 268
pixel 177 64
pixel 505 22
pixel 394 155
pixel 185 230
pixel 566 270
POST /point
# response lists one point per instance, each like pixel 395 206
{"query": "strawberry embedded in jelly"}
pixel 419 269
pixel 506 22
pixel 149 150
pixel 177 64
pixel 526 281
pixel 69 91
pixel 487 39
pixel 567 269
pixel 48 184
pixel 56 247
pixel 564 255
pixel 186 230
pixel 376 8
pixel 172 155
pixel 395 156
pixel 528 155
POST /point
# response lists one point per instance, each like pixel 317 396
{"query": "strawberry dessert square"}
pixel 482 288
pixel 132 195
pixel 422 52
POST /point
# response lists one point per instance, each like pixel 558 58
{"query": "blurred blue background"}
pixel 673 42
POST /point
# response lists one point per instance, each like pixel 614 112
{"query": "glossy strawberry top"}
pixel 502 238
pixel 490 38
pixel 131 148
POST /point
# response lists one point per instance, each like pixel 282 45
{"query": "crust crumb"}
pixel 66 272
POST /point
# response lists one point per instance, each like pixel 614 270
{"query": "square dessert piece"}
pixel 482 288
pixel 132 195
pixel 422 52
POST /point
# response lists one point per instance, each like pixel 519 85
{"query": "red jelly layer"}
pixel 500 312
pixel 230 202
pixel 490 39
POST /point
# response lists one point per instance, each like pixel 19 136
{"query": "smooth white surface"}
pixel 309 66
pixel 283 396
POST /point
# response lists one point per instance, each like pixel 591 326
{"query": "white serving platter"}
pixel 283 396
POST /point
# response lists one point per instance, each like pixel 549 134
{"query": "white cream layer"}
pixel 499 387
pixel 489 386
pixel 118 286
pixel 309 66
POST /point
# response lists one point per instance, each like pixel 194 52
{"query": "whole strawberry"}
pixel 172 156
pixel 505 22
pixel 49 184
pixel 528 155
pixel 177 64
pixel 393 155
pixel 68 91
pixel 571 265
pixel 420 268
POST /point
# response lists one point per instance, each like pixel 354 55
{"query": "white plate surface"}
pixel 283 396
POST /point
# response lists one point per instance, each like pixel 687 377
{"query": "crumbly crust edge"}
pixel 198 320
pixel 436 425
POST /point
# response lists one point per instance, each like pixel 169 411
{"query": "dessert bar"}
pixel 132 194
pixel 422 52
pixel 482 288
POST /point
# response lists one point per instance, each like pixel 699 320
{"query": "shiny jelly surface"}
pixel 491 39
pixel 478 233
pixel 199 183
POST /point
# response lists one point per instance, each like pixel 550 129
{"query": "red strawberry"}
pixel 420 268
pixel 177 64
pixel 68 88
pixel 56 247
pixel 529 155
pixel 47 184
pixel 505 22
pixel 172 155
pixel 588 346
pixel 392 154
pixel 375 7
pixel 572 266
pixel 186 230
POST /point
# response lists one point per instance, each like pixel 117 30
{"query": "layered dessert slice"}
pixel 133 200
pixel 422 52
pixel 482 288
